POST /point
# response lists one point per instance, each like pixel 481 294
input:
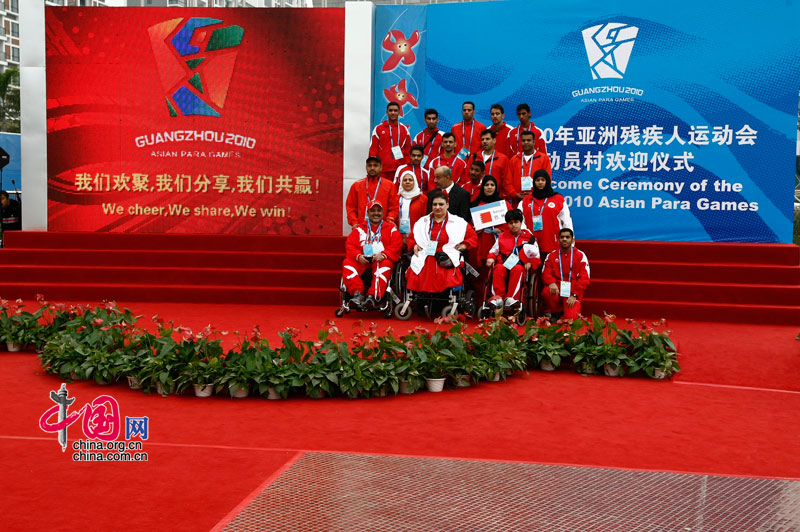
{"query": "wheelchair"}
pixel 431 304
pixel 385 305
pixel 529 305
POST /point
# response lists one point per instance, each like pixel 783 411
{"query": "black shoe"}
pixel 357 300
pixel 370 303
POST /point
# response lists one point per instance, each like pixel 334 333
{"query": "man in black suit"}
pixel 459 198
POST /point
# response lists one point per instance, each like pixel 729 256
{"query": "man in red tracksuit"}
pixel 372 188
pixel 391 142
pixel 523 165
pixel 515 252
pixel 495 163
pixel 374 243
pixel 430 138
pixel 566 278
pixel 416 167
pixel 515 135
pixel 500 128
pixel 449 158
pixel 467 132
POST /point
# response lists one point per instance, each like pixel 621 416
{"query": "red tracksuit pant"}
pixel 512 278
pixel 556 303
pixel 381 271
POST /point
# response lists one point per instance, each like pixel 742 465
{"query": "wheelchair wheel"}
pixel 521 317
pixel 400 314
pixel 469 306
pixel 447 310
pixel 339 312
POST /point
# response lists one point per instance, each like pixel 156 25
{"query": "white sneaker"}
pixel 496 302
pixel 510 301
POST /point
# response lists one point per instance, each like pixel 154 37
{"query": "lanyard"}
pixel 515 251
pixel 433 220
pixel 391 137
pixel 533 212
pixel 561 271
pixel 464 134
pixel 425 142
pixel 491 165
pixel 369 201
pixel 376 236
pixel 522 165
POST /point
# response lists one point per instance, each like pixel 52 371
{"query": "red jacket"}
pixel 514 140
pixel 357 200
pixel 555 216
pixel 501 143
pixel 497 167
pixel 517 168
pixel 458 169
pixel 421 173
pixel 417 210
pixel 431 148
pixel 506 243
pixel 383 138
pixel 580 270
pixel 472 132
pixel 390 237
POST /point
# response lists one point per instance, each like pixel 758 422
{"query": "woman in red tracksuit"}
pixel 546 213
pixel 512 255
pixel 490 193
pixel 413 203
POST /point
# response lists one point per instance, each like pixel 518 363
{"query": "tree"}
pixel 9 96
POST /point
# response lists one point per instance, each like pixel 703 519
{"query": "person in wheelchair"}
pixel 373 244
pixel 515 252
pixel 437 241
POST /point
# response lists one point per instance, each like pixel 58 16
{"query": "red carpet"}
pixel 233 446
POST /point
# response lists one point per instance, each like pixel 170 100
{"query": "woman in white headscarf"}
pixel 413 203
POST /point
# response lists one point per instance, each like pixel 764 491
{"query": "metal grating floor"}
pixel 337 492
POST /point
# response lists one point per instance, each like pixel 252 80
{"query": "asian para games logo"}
pixel 101 421
pixel 195 59
pixel 609 47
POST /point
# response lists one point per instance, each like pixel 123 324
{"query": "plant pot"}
pixel 102 382
pixel 404 389
pixel 462 381
pixel 13 347
pixel 272 395
pixel 317 393
pixel 659 374
pixel 134 383
pixel 201 390
pixel 434 385
pixel 73 376
pixel 611 371
pixel 160 388
pixel 239 392
pixel 584 368
pixel 495 377
pixel 546 365
pixel 383 392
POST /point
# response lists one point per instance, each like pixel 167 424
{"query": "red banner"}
pixel 195 120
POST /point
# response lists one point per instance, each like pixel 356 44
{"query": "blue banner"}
pixel 673 124
pixel 11 174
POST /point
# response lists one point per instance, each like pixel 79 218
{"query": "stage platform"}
pixel 726 282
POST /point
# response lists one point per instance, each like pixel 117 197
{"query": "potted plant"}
pixel 545 344
pixel 649 351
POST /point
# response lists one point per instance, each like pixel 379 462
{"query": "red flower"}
pixel 97 321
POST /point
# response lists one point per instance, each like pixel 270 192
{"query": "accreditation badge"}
pixel 527 182
pixel 368 251
pixel 397 152
pixel 537 223
pixel 405 226
pixel 511 261
pixel 566 289
pixel 430 248
pixel 463 154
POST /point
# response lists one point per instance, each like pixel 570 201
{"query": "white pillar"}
pixel 358 44
pixel 33 116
